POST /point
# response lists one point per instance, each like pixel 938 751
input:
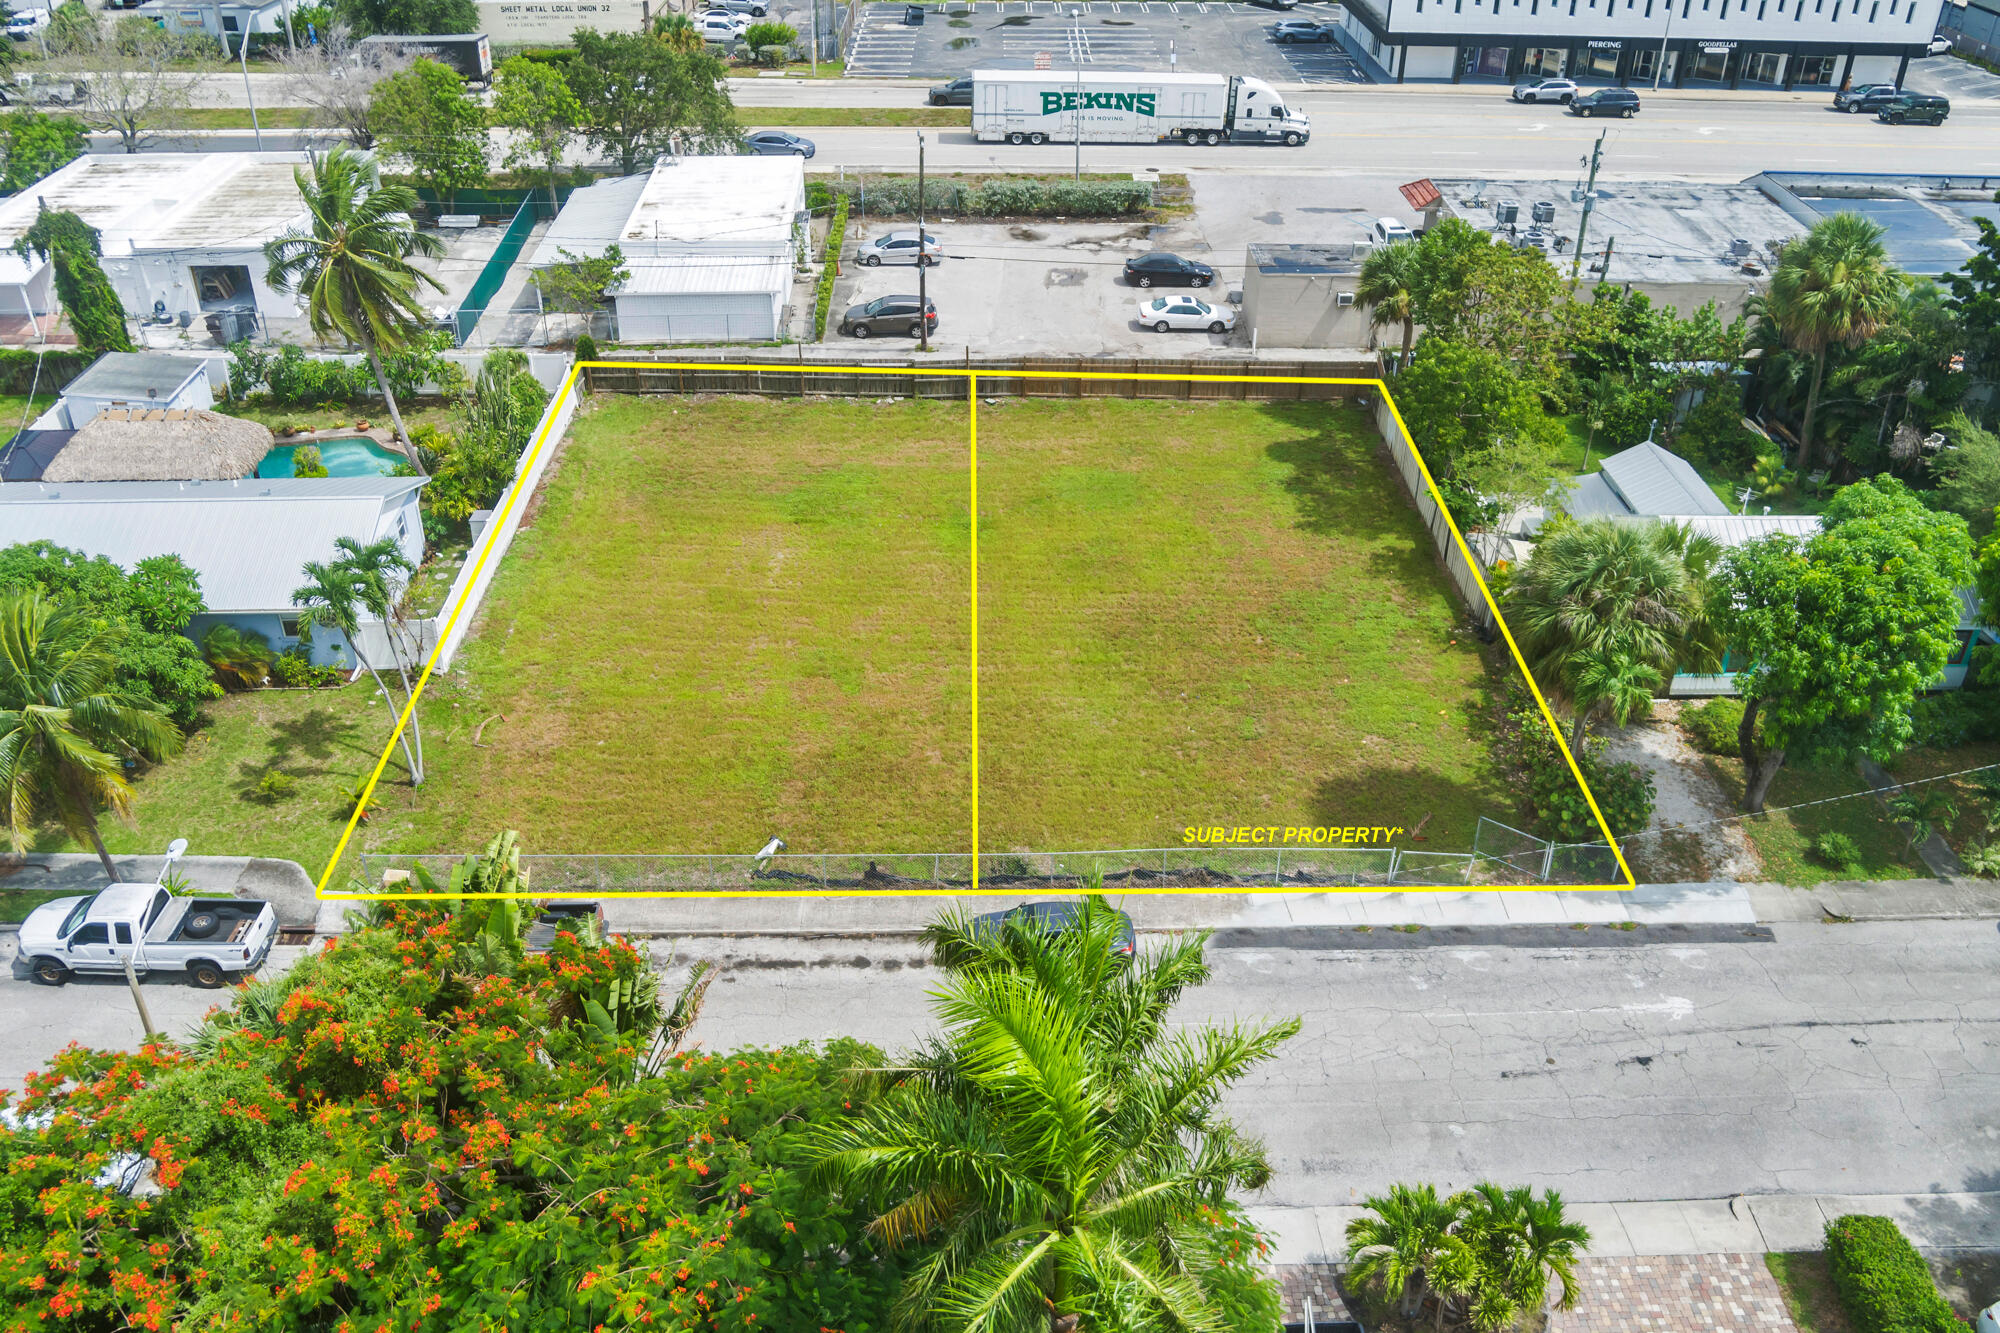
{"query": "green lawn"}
pixel 1784 837
pixel 1810 1295
pixel 16 411
pixel 729 620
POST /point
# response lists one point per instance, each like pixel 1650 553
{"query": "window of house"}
pixel 288 626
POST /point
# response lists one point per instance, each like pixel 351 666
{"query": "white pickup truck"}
pixel 210 939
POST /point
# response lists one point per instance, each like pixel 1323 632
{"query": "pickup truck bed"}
pixel 233 919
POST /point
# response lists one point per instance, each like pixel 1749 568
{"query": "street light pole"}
pixel 248 95
pixel 923 257
pixel 1076 54
pixel 1661 68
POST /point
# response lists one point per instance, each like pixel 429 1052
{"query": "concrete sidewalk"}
pixel 1745 1224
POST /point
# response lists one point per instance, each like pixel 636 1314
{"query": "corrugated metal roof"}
pixel 1652 480
pixel 1593 498
pixel 590 220
pixel 131 374
pixel 708 275
pixel 1736 529
pixel 247 540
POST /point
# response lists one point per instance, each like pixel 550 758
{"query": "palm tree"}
pixel 380 572
pixel 353 267
pixel 331 598
pixel 1057 1146
pixel 62 718
pixel 1388 277
pixel 1833 287
pixel 678 31
pixel 1403 1246
pixel 1601 604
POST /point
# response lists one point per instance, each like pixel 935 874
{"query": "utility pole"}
pixel 1076 54
pixel 815 40
pixel 923 257
pixel 1661 68
pixel 1589 197
pixel 248 95
pixel 132 980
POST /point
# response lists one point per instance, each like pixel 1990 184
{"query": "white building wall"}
pixel 168 275
pixel 1869 22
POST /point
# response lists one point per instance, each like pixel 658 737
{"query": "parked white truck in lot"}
pixel 208 938
pixel 1030 106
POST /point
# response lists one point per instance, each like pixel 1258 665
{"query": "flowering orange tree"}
pixel 411 1133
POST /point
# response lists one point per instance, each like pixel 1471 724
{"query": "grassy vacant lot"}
pixel 733 619
pixel 1213 614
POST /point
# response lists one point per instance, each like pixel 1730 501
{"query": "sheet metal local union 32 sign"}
pixel 512 21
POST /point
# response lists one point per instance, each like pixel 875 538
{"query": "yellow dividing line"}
pixel 972 385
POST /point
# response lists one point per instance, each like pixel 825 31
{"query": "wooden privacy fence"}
pixel 998 378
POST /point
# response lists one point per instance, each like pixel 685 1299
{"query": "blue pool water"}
pixel 356 457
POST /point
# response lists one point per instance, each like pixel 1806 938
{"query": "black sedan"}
pixel 777 143
pixel 888 314
pixel 1302 30
pixel 1051 918
pixel 1161 269
pixel 956 93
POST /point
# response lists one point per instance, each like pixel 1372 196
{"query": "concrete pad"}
pixel 1472 909
pixel 1294 1233
pixel 1789 1221
pixel 1657 1228
pixel 1535 908
pixel 1607 1229
pixel 1591 907
pixel 1333 1220
pixel 1931 1221
pixel 1400 909
pixel 1719 1230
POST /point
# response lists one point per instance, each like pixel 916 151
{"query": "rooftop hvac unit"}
pixel 1545 210
pixel 1739 247
pixel 1507 212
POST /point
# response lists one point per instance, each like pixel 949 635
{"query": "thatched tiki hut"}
pixel 161 446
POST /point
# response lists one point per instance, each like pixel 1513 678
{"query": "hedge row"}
pixel 836 231
pixel 17 370
pixel 1884 1283
pixel 1010 196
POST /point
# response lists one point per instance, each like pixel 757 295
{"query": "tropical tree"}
pixel 1388 277
pixel 1059 1148
pixel 1400 1249
pixel 1832 287
pixel 425 116
pixel 678 31
pixel 1604 612
pixel 64 721
pixel 642 96
pixel 380 572
pixel 1485 1256
pixel 531 98
pixel 331 598
pixel 71 245
pixel 352 268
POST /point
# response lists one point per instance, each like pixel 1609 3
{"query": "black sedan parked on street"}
pixel 1161 269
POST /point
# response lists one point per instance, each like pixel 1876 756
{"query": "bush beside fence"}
pixel 1007 196
pixel 1882 1279
pixel 17 370
pixel 836 233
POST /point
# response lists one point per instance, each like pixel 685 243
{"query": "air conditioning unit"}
pixel 1739 248
pixel 1344 299
pixel 1544 210
pixel 1507 212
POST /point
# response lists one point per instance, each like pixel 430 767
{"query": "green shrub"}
pixel 1884 1283
pixel 275 786
pixel 836 232
pixel 241 657
pixel 586 348
pixel 1958 717
pixel 1624 791
pixel 306 462
pixel 1007 196
pixel 294 668
pixel 1713 726
pixel 1837 851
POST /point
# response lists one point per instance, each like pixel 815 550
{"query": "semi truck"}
pixel 1051 106
pixel 210 939
pixel 467 52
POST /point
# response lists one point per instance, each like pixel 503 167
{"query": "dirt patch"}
pixel 1027 234
pixel 1684 842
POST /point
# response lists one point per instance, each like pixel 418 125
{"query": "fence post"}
pixel 1548 860
pixel 937 870
pixel 1278 874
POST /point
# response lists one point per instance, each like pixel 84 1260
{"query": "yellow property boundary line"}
pixel 514 497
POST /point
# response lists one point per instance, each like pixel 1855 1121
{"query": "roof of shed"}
pixel 137 375
pixel 706 275
pixel 590 220
pixel 247 540
pixel 1644 480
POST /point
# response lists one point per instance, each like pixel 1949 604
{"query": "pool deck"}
pixel 385 438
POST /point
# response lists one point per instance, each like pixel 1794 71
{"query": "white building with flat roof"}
pixel 1727 43
pixel 182 233
pixel 709 242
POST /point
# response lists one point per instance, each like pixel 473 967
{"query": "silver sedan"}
pixel 1163 313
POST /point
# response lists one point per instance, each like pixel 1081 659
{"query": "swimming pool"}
pixel 355 456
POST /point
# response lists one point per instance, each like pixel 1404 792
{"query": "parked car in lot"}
pixel 210 939
pixel 25 24
pixel 717 26
pixel 777 143
pixel 900 247
pixel 1939 45
pixel 1606 102
pixel 754 8
pixel 1164 314
pixel 956 93
pixel 888 314
pixel 1050 918
pixel 1161 269
pixel 1386 230
pixel 1276 4
pixel 1302 30
pixel 1545 90
pixel 1865 97
pixel 1915 109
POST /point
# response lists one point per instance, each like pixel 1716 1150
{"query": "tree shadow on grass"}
pixel 317 744
pixel 1438 813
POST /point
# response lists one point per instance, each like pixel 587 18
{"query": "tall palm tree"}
pixel 353 266
pixel 62 720
pixel 1405 1245
pixel 1833 287
pixel 331 598
pixel 1388 277
pixel 1600 603
pixel 380 573
pixel 1057 1145
pixel 1613 684
pixel 678 31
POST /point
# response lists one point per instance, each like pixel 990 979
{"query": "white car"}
pixel 754 8
pixel 26 23
pixel 1388 229
pixel 1989 1319
pixel 1939 45
pixel 1184 312
pixel 900 247
pixel 1545 90
pixel 717 26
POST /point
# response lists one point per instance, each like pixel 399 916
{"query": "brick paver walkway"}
pixel 1691 1293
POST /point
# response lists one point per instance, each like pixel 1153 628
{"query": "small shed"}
pixel 1303 295
pixel 170 445
pixel 1642 481
pixel 124 381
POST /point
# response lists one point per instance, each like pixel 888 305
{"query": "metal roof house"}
pixel 247 540
pixel 1643 481
pixel 125 381
pixel 710 243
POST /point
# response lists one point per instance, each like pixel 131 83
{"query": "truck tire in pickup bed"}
pixel 200 925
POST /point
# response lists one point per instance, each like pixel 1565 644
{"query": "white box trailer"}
pixel 1054 106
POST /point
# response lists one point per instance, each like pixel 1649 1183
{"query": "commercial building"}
pixel 1303 295
pixel 222 21
pixel 182 234
pixel 1676 43
pixel 710 244
pixel 1974 27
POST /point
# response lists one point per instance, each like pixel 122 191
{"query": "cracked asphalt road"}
pixel 1848 1059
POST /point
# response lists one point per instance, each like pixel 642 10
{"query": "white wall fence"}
pixel 1456 566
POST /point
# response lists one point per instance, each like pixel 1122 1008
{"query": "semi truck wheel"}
pixel 1038 138
pixel 1291 139
pixel 48 972
pixel 205 975
pixel 1213 138
pixel 1017 138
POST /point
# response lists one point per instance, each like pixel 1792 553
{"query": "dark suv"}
pixel 888 314
pixel 1607 102
pixel 1865 97
pixel 956 93
pixel 1914 109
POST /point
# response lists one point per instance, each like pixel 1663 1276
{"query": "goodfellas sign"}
pixel 1139 103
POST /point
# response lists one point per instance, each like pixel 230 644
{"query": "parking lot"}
pixel 1195 35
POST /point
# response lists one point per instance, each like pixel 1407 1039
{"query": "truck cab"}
pixel 1258 114
pixel 153 928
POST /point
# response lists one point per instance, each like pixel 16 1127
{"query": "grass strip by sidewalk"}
pixel 751 117
pixel 1807 1282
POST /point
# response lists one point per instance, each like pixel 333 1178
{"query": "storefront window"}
pixel 1546 62
pixel 1710 64
pixel 1644 63
pixel 1814 70
pixel 1764 67
pixel 1487 61
pixel 1603 62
